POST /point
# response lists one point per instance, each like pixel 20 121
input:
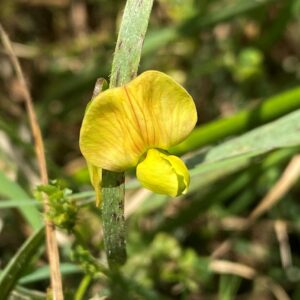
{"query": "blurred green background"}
pixel 231 55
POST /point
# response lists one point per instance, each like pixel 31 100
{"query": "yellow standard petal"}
pixel 163 173
pixel 121 124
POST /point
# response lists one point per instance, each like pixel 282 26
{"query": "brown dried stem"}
pixel 52 247
pixel 281 187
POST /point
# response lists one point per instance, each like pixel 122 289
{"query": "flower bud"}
pixel 163 173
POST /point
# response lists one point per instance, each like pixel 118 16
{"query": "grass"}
pixel 240 61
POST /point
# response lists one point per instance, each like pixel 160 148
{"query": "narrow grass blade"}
pixel 17 203
pixel 13 271
pixel 281 133
pixel 12 190
pixel 237 153
pixel 44 273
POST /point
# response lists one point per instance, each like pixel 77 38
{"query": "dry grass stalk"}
pixel 52 248
pixel 284 245
pixel 282 186
pixel 228 267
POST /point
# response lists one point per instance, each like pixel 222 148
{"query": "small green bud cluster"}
pixel 89 264
pixel 62 209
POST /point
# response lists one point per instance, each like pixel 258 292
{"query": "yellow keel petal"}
pixel 163 173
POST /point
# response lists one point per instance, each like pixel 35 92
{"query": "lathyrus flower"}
pixel 134 125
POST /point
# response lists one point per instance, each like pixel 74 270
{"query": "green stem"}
pixel 267 111
pixel 130 41
pixel 124 68
pixel 113 218
pixel 84 284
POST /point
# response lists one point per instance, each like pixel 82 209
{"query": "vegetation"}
pixel 235 234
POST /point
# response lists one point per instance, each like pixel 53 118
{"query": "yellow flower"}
pixel 163 173
pixel 134 125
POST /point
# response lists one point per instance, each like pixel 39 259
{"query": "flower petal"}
pixel 163 173
pixel 108 136
pixel 96 180
pixel 165 110
pixel 121 124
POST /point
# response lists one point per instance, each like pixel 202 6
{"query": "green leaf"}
pixel 12 272
pixel 237 152
pixel 18 203
pixel 278 134
pixel 214 170
pixel 44 273
pixel 12 190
